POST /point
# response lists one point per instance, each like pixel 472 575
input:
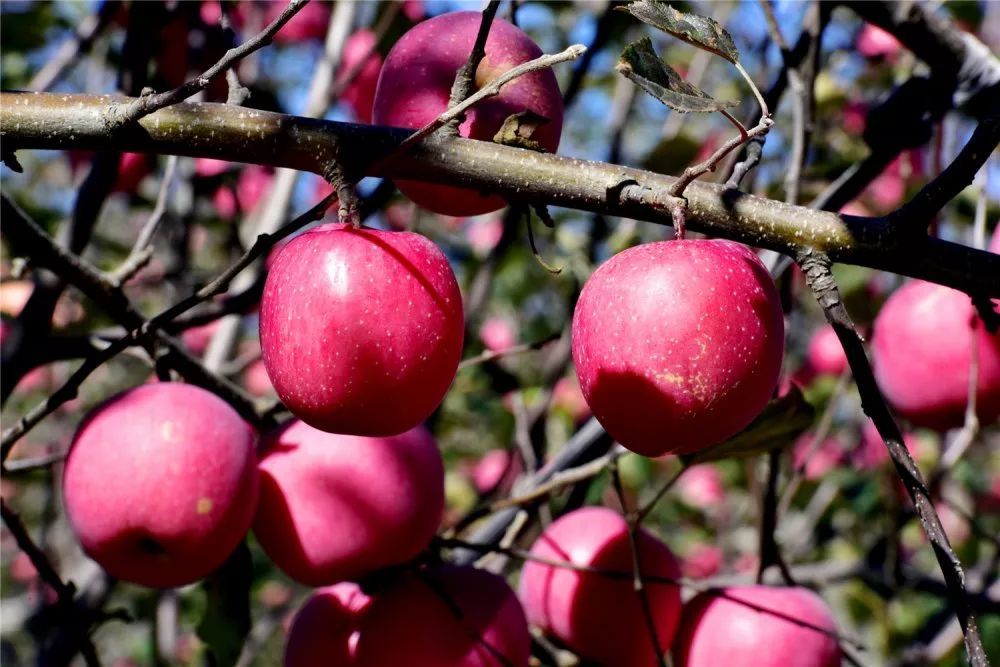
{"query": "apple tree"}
pixel 504 333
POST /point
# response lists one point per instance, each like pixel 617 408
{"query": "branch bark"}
pixel 47 121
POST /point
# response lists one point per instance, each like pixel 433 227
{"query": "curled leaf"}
pixel 694 29
pixel 518 128
pixel 640 64
pixel 778 425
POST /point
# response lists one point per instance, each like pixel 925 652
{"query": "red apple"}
pixel 495 466
pixel 874 42
pixel 196 339
pixel 252 184
pixel 161 484
pixel 325 629
pixel 702 561
pixel 826 354
pixel 566 396
pixel 678 344
pixel 361 330
pixel 498 334
pixel 415 85
pixel 483 234
pixel 720 631
pixel 818 460
pixel 256 381
pixel 701 486
pixel 921 351
pixel 445 617
pixel 337 507
pixel 360 93
pixel 132 168
pixel 599 616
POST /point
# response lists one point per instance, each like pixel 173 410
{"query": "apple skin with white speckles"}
pixel 337 507
pixel 921 353
pixel 160 484
pixel 600 617
pixel 720 631
pixel 678 344
pixel 415 85
pixel 361 330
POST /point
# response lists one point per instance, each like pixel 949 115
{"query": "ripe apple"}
pixel 252 184
pixel 337 507
pixel 415 85
pixel 446 616
pixel 360 93
pixel 498 334
pixel 874 42
pixel 161 484
pixel 678 344
pixel 825 354
pixel 921 352
pixel 361 330
pixel 325 629
pixel 720 631
pixel 820 459
pixel 598 616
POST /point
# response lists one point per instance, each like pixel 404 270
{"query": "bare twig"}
pixel 93 285
pixel 917 214
pixel 638 585
pixel 816 267
pixel 465 77
pixel 143 106
pixel 69 51
pixel 142 251
pixel 66 593
pixel 491 355
pixel 489 90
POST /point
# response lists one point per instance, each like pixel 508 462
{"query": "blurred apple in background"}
pixel 360 55
pixel 921 353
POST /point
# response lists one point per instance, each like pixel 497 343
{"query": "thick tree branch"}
pixel 42 120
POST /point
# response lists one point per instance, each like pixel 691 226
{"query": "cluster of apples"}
pixel 678 345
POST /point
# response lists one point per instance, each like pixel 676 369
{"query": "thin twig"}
pixel 491 355
pixel 465 77
pixel 489 90
pixel 142 251
pixel 697 586
pixel 816 267
pixel 638 584
pixel 143 106
pixel 69 389
pixel 65 592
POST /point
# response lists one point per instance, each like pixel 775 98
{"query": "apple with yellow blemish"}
pixel 160 484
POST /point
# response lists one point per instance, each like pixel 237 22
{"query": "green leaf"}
pixel 778 425
pixel 700 31
pixel 640 64
pixel 226 622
